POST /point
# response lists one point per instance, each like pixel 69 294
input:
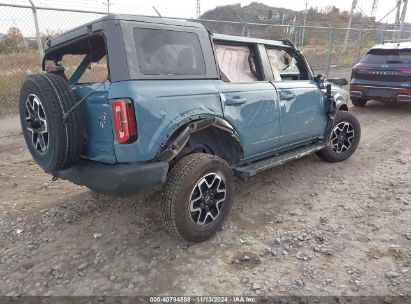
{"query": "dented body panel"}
pixel 162 107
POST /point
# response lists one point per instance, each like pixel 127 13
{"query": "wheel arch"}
pixel 341 103
pixel 213 135
pixel 342 107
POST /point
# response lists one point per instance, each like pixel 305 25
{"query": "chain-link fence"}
pixel 24 29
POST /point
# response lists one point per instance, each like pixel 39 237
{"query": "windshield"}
pixel 388 56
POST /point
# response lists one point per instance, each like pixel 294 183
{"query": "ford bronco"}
pixel 130 104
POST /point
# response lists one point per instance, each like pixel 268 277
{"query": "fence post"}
pixel 296 31
pixel 385 32
pixel 36 25
pixel 330 49
pixel 360 38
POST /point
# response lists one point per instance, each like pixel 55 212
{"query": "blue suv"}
pixel 131 104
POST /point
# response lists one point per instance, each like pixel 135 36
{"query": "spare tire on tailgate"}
pixel 55 144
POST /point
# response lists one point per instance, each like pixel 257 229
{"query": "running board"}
pixel 277 160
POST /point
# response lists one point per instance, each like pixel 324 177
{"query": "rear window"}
pixel 388 56
pixel 164 52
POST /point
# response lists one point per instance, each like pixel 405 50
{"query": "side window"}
pixel 70 57
pixel 283 65
pixel 237 63
pixel 96 72
pixel 165 52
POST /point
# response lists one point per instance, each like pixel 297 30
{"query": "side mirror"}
pixel 338 81
pixel 320 79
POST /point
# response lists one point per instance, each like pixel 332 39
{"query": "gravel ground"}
pixel 305 228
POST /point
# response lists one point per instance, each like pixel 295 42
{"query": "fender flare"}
pixel 342 105
pixel 341 102
pixel 181 137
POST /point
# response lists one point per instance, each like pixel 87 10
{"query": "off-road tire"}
pixel 177 194
pixel 328 154
pixel 64 139
pixel 359 102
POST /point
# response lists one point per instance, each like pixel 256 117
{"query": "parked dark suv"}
pixel 383 74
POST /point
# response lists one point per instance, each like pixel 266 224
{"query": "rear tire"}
pixel 359 102
pixel 197 197
pixel 53 143
pixel 344 139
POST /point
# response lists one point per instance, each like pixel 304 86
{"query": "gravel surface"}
pixel 305 228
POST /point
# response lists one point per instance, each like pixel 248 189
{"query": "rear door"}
pixel 99 137
pixel 301 102
pixel 249 103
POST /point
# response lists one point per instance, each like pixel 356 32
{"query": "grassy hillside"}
pixel 262 13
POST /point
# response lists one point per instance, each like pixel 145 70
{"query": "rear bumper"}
pixel 357 91
pixel 118 179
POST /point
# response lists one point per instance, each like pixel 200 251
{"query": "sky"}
pixel 53 21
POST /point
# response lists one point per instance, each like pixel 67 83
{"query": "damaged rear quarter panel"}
pixel 161 107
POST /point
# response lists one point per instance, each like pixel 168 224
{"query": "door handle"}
pixel 287 96
pixel 235 100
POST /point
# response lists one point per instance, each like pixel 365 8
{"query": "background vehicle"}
pixel 180 110
pixel 383 74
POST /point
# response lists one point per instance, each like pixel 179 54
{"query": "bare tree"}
pixel 14 39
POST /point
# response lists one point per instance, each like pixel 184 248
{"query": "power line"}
pixel 354 4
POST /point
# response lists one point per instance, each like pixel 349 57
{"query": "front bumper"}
pixel 118 179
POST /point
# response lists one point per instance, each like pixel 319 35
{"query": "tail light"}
pixel 361 68
pixel 124 120
pixel 356 88
pixel 408 70
pixel 403 91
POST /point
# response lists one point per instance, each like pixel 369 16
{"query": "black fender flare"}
pixel 179 140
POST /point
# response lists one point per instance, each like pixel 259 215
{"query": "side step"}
pixel 277 160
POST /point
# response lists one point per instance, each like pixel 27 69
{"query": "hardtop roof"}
pixel 80 30
pixel 230 38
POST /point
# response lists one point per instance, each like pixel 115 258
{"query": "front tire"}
pixel 344 139
pixel 197 197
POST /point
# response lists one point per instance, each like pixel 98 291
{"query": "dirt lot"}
pixel 306 228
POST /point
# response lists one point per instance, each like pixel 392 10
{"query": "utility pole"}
pixel 305 22
pixel 353 6
pixel 397 20
pixel 374 8
pixel 404 12
pixel 198 9
pixel 108 6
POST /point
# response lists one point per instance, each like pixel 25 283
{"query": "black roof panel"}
pixel 92 26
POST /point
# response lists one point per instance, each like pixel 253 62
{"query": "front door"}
pixel 302 111
pixel 301 102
